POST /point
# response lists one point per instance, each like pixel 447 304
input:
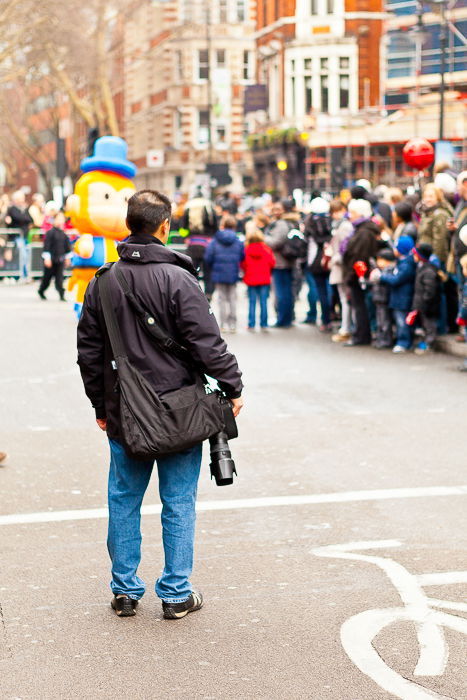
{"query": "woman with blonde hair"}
pixel 257 267
pixel 436 212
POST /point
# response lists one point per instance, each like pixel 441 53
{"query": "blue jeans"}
pixel 312 297
pixel 178 482
pixel 324 295
pixel 404 333
pixel 261 293
pixel 284 295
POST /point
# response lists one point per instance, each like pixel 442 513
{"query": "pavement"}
pixel 335 568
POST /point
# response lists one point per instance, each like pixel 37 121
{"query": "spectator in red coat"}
pixel 257 266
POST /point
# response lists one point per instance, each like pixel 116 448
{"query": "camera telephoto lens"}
pixel 222 464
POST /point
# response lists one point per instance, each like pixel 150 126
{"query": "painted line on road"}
pixel 243 503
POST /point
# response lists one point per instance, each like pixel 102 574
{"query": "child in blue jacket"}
pixel 223 256
pixel 401 281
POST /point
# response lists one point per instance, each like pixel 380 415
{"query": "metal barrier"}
pixel 18 259
pixel 12 253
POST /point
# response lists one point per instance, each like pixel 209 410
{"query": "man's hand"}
pixel 47 262
pixel 102 423
pixel 237 405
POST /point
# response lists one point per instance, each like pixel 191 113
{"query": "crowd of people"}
pixel 380 267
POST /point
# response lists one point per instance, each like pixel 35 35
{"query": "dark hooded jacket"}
pixel 363 245
pixel 224 255
pixel 166 285
pixel 427 296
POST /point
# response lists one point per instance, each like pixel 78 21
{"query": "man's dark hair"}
pixel 147 209
pixel 404 211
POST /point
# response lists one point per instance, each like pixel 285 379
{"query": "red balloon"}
pixel 418 153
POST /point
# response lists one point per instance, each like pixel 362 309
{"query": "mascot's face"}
pixel 99 204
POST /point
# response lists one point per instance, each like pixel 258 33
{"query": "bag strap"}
pixel 116 340
pixel 148 323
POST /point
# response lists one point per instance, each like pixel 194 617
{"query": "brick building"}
pixel 321 62
pixel 187 63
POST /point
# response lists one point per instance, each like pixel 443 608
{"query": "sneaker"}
pixel 325 328
pixel 123 605
pixel 398 349
pixel 340 337
pixel 42 295
pixel 175 611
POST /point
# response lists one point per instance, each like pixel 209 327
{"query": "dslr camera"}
pixel 222 465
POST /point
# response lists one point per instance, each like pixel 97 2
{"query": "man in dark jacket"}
pixel 276 237
pixel 56 254
pixel 361 247
pixel 166 285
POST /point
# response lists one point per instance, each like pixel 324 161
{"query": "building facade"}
pixel 187 63
pixel 412 49
pixel 320 60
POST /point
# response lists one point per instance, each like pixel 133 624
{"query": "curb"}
pixel 449 345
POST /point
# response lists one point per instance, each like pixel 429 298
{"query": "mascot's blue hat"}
pixel 110 153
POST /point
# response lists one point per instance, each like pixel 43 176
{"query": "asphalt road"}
pixel 338 446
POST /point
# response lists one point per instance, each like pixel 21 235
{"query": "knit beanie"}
pixel 386 254
pixel 424 251
pixel 404 245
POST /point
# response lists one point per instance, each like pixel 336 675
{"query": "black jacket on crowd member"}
pixel 427 295
pixel 57 243
pixel 165 283
pixel 318 228
pixel 20 218
pixel 363 245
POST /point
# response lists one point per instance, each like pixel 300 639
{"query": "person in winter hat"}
pixel 318 233
pixel 223 257
pixel 400 281
pixel 257 267
pixel 385 260
pixel 427 296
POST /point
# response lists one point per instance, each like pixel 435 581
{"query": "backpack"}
pixel 295 246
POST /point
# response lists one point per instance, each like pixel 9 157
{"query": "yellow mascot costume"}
pixel 98 211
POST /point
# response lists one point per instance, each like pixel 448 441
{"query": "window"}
pixel 241 11
pixel 221 136
pixel 223 11
pixel 203 64
pixel 203 127
pixel 292 87
pixel 344 63
pixel 178 66
pixel 248 65
pixel 344 91
pixel 307 64
pixel 292 66
pixel 324 63
pixel 308 94
pixel 178 131
pixel 330 7
pixel 220 58
pixel 324 93
pixel 314 7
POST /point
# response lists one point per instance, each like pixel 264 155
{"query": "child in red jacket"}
pixel 257 266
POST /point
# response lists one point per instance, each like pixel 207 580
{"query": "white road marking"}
pixel 242 503
pixel 358 632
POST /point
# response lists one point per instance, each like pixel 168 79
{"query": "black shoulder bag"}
pixel 152 425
